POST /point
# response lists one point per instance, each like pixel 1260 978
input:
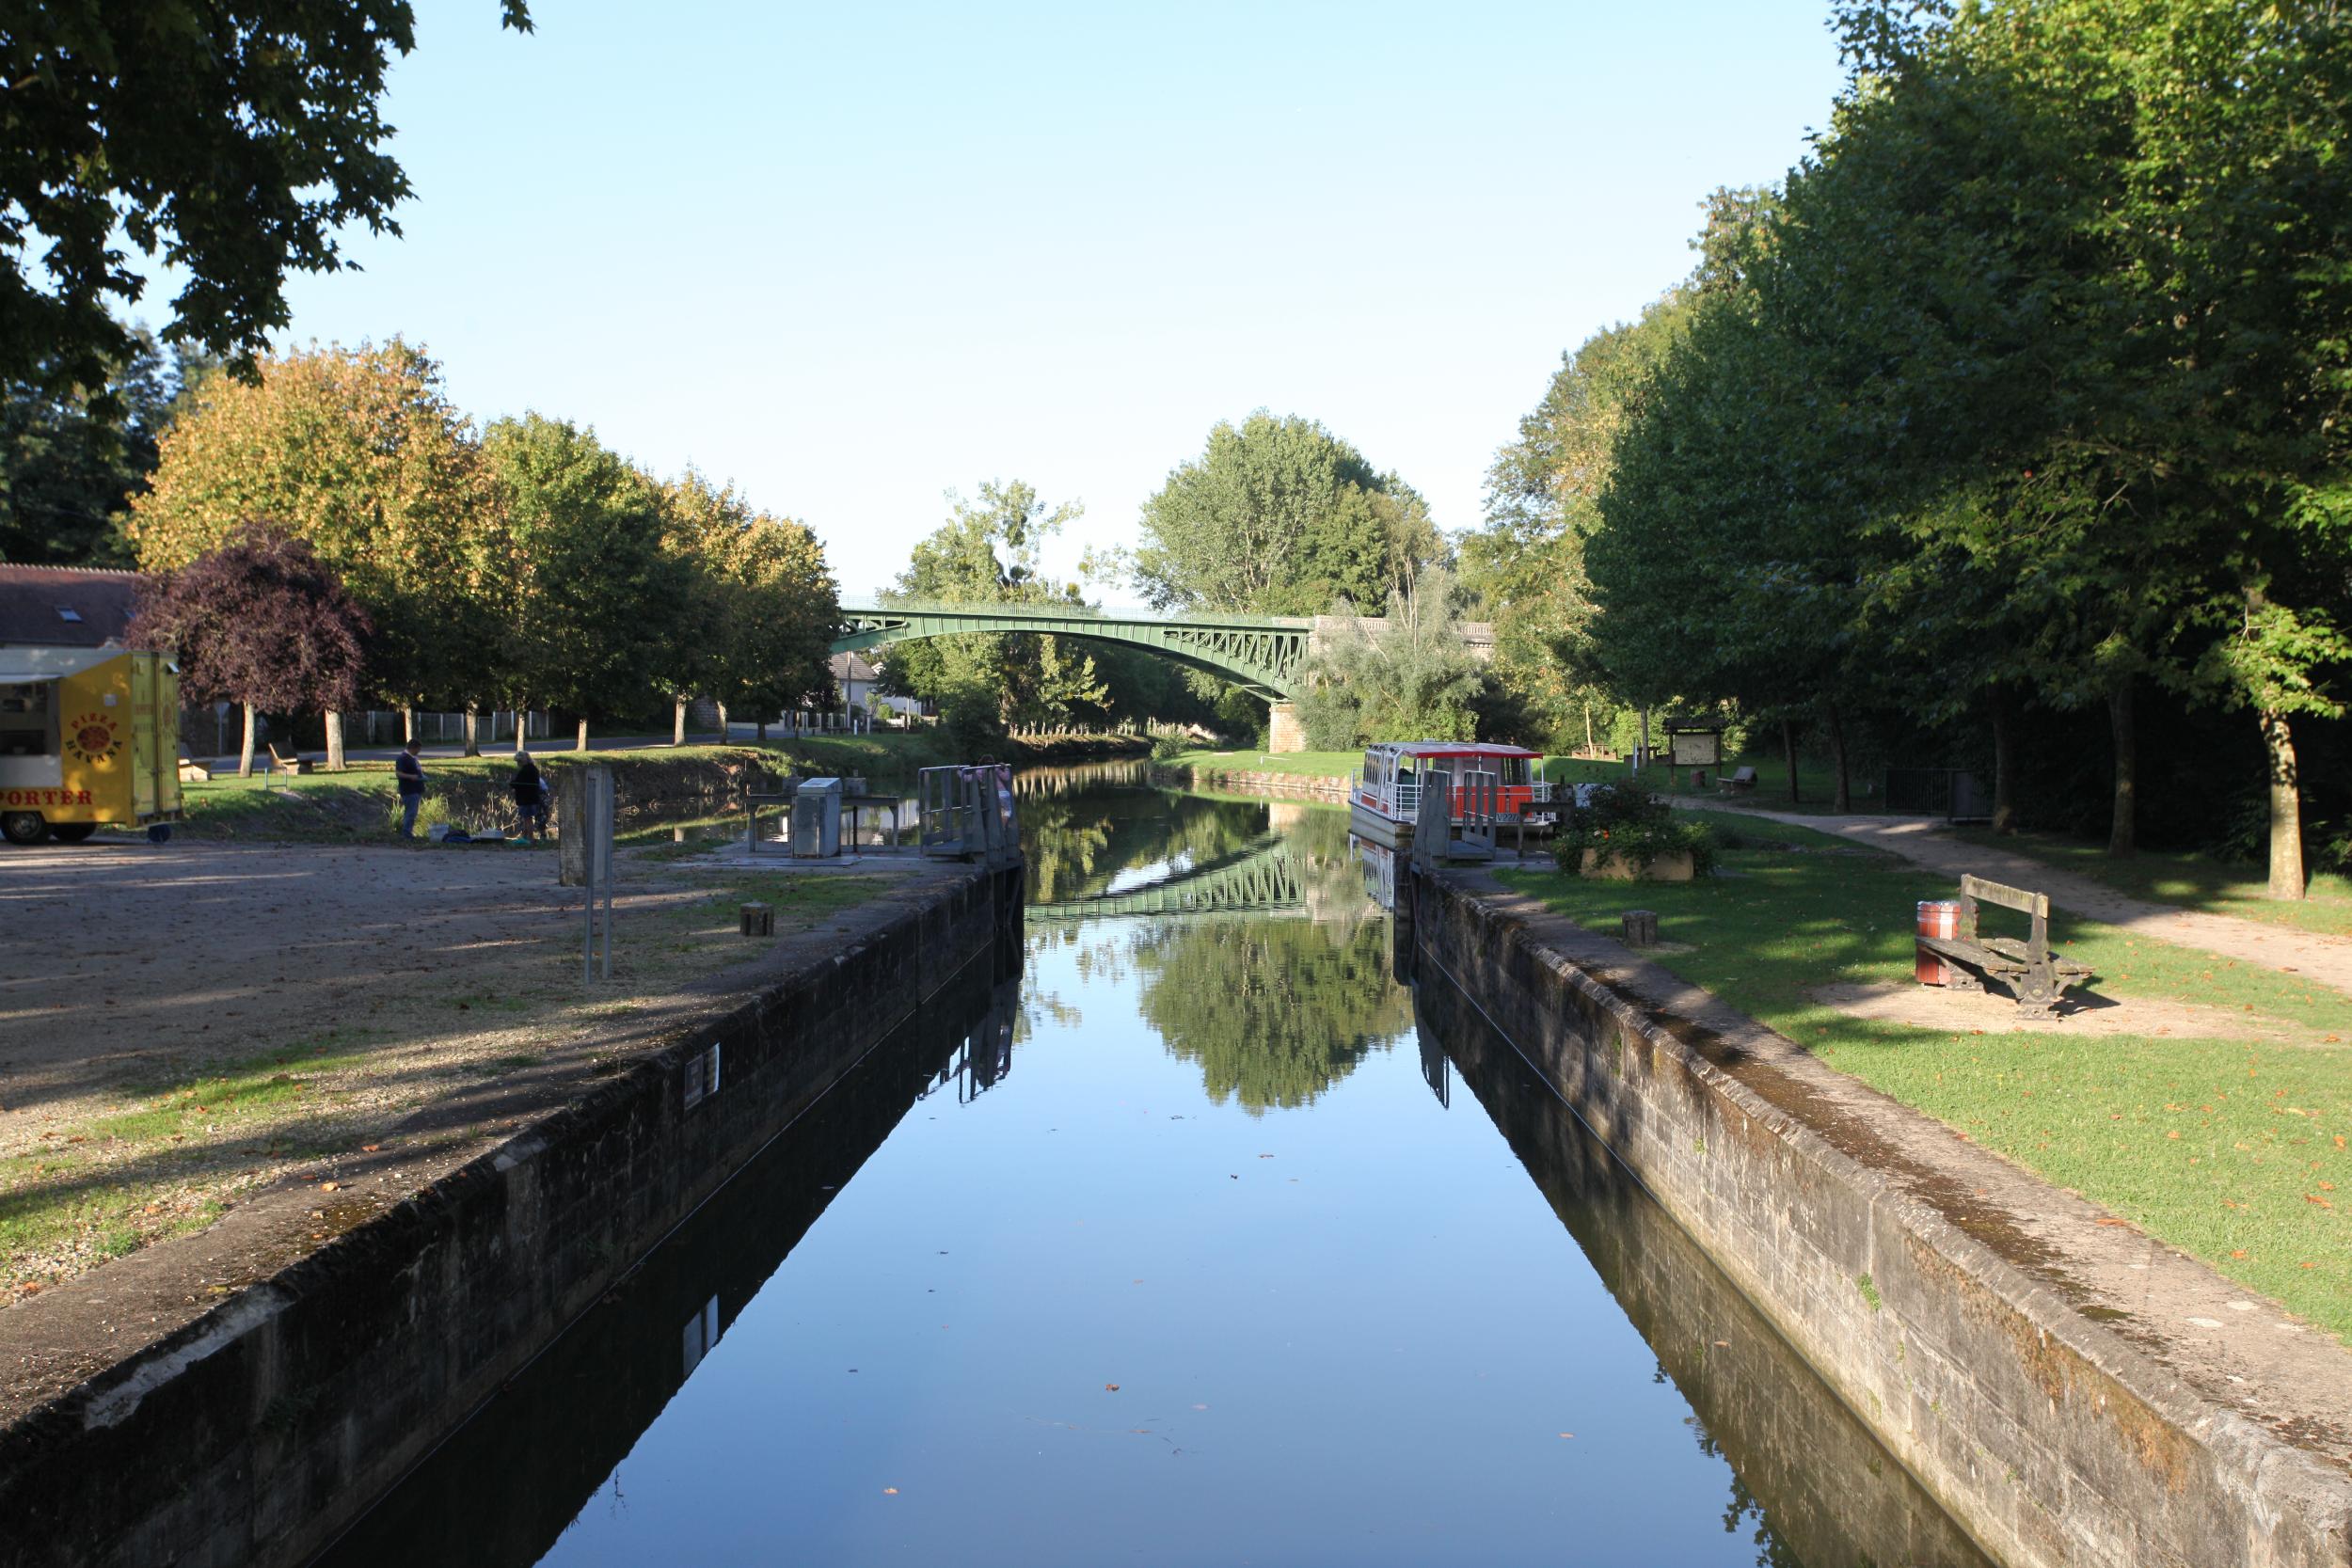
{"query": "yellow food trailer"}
pixel 89 737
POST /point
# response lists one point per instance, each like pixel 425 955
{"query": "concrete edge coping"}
pixel 2260 1454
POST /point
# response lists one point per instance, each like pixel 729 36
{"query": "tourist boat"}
pixel 1385 795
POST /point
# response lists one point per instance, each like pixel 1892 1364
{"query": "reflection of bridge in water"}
pixel 1262 877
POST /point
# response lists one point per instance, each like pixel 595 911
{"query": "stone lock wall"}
pixel 256 1435
pixel 2050 1438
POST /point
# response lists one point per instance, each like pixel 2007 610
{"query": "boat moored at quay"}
pixel 1385 795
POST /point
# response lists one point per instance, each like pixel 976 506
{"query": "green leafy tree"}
pixel 1525 570
pixel 2091 261
pixel 70 461
pixel 234 140
pixel 783 610
pixel 987 552
pixel 1721 570
pixel 360 453
pixel 698 521
pixel 1414 678
pixel 1280 517
pixel 760 605
pixel 593 590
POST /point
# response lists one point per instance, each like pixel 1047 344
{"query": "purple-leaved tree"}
pixel 261 622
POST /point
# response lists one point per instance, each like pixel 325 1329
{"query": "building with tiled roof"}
pixel 65 607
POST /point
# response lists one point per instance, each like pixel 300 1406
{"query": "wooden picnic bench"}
pixel 288 762
pixel 2035 975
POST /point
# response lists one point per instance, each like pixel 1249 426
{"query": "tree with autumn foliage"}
pixel 360 453
pixel 762 605
pixel 595 602
pixel 260 621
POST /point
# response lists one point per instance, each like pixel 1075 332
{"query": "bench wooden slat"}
pixel 2006 897
pixel 1990 959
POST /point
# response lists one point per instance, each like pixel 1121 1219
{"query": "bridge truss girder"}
pixel 1263 654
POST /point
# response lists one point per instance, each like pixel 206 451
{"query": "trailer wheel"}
pixel 23 827
pixel 71 832
pixel 159 832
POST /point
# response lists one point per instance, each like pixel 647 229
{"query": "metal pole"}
pixel 604 844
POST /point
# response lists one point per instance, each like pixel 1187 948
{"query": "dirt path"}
pixel 2324 958
pixel 182 1027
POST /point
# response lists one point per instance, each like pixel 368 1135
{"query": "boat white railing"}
pixel 1539 790
pixel 1409 798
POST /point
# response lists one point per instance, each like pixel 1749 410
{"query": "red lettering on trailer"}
pixel 46 797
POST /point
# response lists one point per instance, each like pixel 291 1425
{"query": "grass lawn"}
pixel 1320 764
pixel 260 1102
pixel 2192 880
pixel 2233 1150
pixel 360 801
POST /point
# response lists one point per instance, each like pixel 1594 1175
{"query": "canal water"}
pixel 1202 1243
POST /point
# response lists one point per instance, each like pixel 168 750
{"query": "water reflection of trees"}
pixel 1273 1012
pixel 1079 844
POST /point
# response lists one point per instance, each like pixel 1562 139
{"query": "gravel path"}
pixel 136 981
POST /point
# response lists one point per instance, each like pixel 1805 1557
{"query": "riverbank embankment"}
pixel 302 1353
pixel 2070 1389
pixel 1240 778
pixel 656 787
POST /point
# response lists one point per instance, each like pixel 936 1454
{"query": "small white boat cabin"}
pixel 1385 795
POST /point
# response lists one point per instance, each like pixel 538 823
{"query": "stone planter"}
pixel 1674 865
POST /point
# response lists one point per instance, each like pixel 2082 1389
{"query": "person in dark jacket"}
pixel 411 774
pixel 531 797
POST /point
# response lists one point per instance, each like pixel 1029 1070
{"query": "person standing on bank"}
pixel 531 797
pixel 411 774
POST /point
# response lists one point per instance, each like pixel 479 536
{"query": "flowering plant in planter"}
pixel 1631 825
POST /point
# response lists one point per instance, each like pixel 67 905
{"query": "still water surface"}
pixel 1204 1242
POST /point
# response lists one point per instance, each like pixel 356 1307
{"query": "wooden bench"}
pixel 1739 781
pixel 288 762
pixel 2033 974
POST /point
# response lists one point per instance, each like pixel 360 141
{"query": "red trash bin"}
pixel 1937 918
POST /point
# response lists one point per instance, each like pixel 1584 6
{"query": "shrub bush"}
pixel 1630 822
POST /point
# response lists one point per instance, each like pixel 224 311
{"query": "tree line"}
pixel 2016 412
pixel 524 564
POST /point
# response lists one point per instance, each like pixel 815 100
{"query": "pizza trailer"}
pixel 89 737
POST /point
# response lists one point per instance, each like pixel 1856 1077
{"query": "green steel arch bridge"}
pixel 1263 652
pixel 1262 877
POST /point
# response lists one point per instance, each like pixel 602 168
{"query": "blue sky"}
pixel 851 256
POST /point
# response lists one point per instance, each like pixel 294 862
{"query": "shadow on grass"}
pixel 2234 1150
